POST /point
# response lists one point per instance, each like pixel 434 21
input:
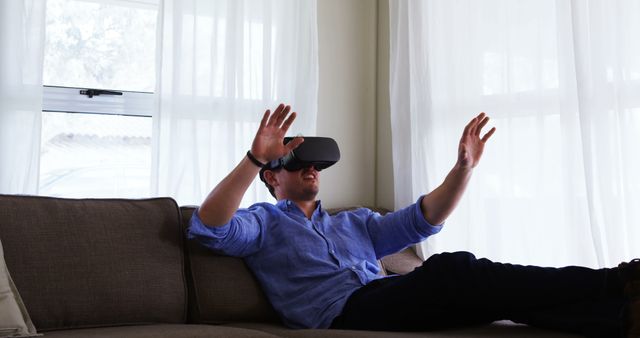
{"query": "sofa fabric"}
pixel 95 262
pixel 122 268
pixel 223 288
pixel 161 331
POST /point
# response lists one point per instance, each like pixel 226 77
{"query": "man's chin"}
pixel 310 193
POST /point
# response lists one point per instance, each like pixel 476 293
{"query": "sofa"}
pixel 123 268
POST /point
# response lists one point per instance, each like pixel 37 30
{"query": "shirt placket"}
pixel 330 248
pixel 354 268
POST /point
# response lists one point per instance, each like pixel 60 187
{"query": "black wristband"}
pixel 254 160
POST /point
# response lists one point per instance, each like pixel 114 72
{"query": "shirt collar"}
pixel 290 206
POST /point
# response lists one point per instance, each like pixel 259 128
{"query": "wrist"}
pixel 259 163
pixel 459 167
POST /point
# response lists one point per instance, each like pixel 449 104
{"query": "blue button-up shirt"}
pixel 308 268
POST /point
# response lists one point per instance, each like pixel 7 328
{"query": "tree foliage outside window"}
pixel 100 45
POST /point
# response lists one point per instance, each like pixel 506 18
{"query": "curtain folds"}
pixel 558 182
pixel 223 63
pixel 21 54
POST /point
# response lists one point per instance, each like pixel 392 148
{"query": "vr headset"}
pixel 319 152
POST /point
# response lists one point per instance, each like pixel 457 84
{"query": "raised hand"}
pixel 471 145
pixel 268 143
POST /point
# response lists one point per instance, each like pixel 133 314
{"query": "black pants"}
pixel 456 289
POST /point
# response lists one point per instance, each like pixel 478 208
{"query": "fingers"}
pixel 265 118
pixel 287 123
pixel 293 144
pixel 468 127
pixel 483 122
pixel 279 116
pixel 274 117
pixel 278 122
pixel 282 115
pixel 474 127
pixel 488 134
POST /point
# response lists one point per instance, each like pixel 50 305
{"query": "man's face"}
pixel 299 185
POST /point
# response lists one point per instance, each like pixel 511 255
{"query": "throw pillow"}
pixel 14 319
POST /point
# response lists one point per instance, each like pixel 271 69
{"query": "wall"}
pixel 347 99
pixel 384 159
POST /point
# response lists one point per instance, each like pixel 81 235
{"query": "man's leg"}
pixel 456 289
pixel 592 318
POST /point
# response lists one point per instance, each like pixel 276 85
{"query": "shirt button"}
pixel 331 251
pixel 353 267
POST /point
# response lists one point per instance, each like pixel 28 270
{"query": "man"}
pixel 320 271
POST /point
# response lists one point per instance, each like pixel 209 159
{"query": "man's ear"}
pixel 270 177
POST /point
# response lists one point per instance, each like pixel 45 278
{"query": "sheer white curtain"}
pixel 223 63
pixel 21 53
pixel 558 183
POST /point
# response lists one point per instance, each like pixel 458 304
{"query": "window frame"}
pixel 69 100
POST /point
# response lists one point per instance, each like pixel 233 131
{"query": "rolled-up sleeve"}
pixel 241 237
pixel 397 230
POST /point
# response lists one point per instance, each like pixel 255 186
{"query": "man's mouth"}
pixel 309 175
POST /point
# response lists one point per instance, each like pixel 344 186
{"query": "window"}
pixel 97 144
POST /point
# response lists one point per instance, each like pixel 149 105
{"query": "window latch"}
pixel 97 92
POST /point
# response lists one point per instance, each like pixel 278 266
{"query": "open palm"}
pixel 268 143
pixel 471 144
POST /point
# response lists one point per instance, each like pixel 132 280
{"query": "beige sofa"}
pixel 122 268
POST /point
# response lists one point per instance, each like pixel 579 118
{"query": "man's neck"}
pixel 308 207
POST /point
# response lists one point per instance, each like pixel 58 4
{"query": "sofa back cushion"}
pixel 222 289
pixel 95 262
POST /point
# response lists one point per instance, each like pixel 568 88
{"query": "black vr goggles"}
pixel 319 152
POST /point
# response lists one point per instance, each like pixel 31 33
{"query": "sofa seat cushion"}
pixel 95 262
pixel 160 331
pixel 503 328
